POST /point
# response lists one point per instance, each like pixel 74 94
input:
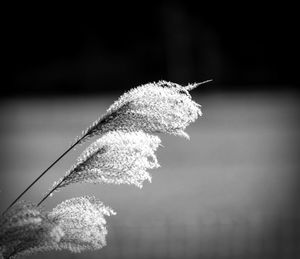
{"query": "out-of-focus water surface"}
pixel 232 191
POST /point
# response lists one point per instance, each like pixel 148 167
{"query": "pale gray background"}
pixel 230 192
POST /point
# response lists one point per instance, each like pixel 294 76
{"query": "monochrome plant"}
pixel 116 157
pixel 122 154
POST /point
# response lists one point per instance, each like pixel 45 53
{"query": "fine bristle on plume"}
pixel 77 224
pixel 26 229
pixel 83 221
pixel 190 87
pixel 117 157
pixel 159 107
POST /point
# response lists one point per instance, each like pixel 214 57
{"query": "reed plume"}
pixel 77 224
pixel 122 154
pixel 116 157
pixel 26 229
pixel 83 223
pixel 161 107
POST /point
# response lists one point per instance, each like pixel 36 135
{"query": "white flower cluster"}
pixel 77 224
pixel 161 107
pixel 125 150
pixel 117 157
pixel 82 222
pixel 25 229
pixel 123 153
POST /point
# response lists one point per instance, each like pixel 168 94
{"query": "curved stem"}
pixel 49 193
pixel 43 173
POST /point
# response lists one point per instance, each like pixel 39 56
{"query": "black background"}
pixel 113 46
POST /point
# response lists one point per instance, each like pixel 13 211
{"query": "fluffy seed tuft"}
pixel 82 220
pixel 161 107
pixel 26 229
pixel 77 224
pixel 116 157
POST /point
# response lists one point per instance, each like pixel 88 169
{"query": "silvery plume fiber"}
pixel 26 229
pixel 83 223
pixel 161 107
pixel 77 224
pixel 116 157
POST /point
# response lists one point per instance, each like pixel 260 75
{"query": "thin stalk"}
pixel 60 183
pixel 192 86
pixel 188 87
pixel 49 193
pixel 43 173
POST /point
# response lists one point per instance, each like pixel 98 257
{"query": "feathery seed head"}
pixel 25 229
pixel 77 224
pixel 161 107
pixel 117 157
pixel 82 220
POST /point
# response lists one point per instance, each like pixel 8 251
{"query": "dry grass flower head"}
pixel 123 154
pixel 26 229
pixel 161 107
pixel 83 223
pixel 77 224
pixel 116 157
pixel 158 107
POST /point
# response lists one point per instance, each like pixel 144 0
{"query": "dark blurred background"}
pixel 117 46
pixel 233 190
